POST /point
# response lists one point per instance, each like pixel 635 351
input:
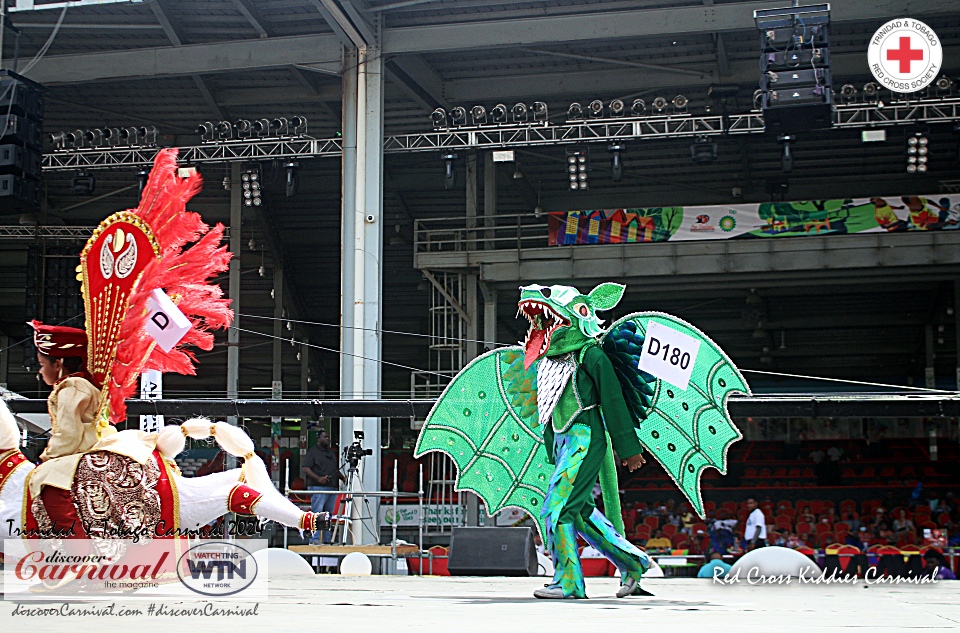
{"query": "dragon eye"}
pixel 546 293
pixel 582 310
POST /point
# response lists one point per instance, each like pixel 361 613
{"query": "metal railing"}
pixel 480 233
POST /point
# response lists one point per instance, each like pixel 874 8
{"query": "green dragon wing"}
pixel 486 421
pixel 685 429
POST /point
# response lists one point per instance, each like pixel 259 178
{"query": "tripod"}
pixel 350 511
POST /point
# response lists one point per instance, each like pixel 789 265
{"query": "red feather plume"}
pixel 190 255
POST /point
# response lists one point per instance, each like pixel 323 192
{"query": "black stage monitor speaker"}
pixel 492 552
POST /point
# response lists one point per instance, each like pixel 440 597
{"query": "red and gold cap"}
pixel 59 341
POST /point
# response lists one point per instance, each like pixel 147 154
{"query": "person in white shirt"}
pixel 755 532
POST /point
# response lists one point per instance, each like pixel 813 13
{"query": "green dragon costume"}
pixel 535 426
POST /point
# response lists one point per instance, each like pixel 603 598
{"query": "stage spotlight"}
pixel 575 111
pixel 130 136
pixel 519 112
pixel 660 104
pixel 638 107
pixel 250 183
pixel 142 176
pixel 596 108
pixel 243 128
pixel 917 153
pixel 76 140
pixel 703 150
pixel 280 127
pixel 848 93
pixel 205 130
pixel 83 183
pixel 478 114
pixel 292 183
pixel 871 92
pixel 499 113
pixel 786 157
pixel 758 99
pixel 680 103
pixel 944 84
pixel 458 116
pixel 224 131
pixel 539 111
pixel 260 127
pixel 58 140
pixel 577 168
pixel 93 138
pixel 298 125
pixel 449 170
pixel 616 107
pixel 616 160
pixel 111 136
pixel 439 118
pixel 148 135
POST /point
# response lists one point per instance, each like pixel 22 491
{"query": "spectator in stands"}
pixel 794 541
pixel 780 537
pixel 659 541
pixel 805 516
pixel 721 532
pixel 715 567
pixel 902 523
pixel 853 522
pixel 853 537
pixel 687 519
pixel 937 566
pixel 878 521
pixel 863 540
pixel 755 531
pixel 323 472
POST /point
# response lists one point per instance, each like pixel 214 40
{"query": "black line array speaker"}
pixel 21 139
pixel 492 552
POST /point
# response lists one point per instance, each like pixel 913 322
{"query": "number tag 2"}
pixel 669 354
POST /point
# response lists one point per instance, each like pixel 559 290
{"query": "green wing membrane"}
pixel 486 422
pixel 685 430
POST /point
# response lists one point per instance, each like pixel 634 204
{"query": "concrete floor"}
pixel 392 603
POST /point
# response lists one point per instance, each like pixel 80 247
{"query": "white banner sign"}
pixel 151 388
pixel 408 515
pixel 669 354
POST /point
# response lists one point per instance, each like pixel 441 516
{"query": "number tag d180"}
pixel 669 354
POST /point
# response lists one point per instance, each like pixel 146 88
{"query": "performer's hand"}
pixel 635 462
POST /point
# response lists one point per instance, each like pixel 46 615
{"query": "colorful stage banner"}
pixel 764 220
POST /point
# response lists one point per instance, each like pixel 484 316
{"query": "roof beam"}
pixel 250 12
pixel 342 25
pixel 723 63
pixel 174 36
pixel 286 51
pixel 415 77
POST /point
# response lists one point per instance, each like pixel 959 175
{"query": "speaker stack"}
pixel 492 552
pixel 795 61
pixel 21 139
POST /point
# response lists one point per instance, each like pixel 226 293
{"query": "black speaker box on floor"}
pixel 492 552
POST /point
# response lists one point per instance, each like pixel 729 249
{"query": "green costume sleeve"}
pixel 548 443
pixel 616 416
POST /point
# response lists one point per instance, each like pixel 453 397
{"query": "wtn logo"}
pixel 204 569
pixel 217 568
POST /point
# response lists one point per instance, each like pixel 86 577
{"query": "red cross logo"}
pixel 905 55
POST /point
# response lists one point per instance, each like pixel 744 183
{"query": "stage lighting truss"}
pixel 99 138
pixel 226 132
pixel 250 186
pixel 577 168
pixel 495 135
pixel 918 148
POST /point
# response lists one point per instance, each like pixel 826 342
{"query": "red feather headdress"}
pixel 131 254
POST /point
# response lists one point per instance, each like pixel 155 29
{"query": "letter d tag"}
pixel 669 354
pixel 165 323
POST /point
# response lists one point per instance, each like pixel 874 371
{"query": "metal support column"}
pixel 956 325
pixel 365 285
pixel 277 374
pixel 489 197
pixel 489 315
pixel 304 394
pixel 929 373
pixel 471 200
pixel 233 334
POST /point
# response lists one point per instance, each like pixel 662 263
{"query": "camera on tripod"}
pixel 355 452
